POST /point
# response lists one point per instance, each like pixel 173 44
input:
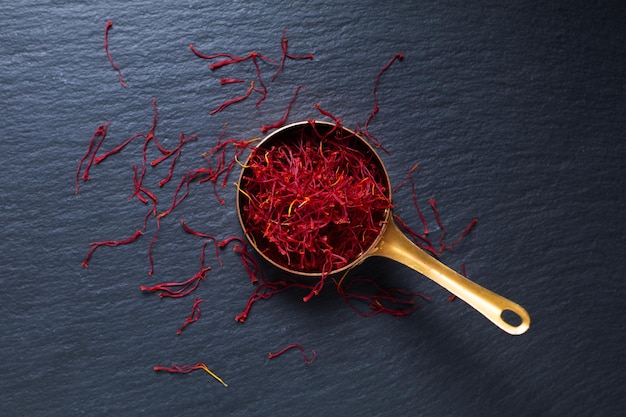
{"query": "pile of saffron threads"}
pixel 314 202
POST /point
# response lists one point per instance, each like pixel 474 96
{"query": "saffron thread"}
pixel 185 369
pixel 106 49
pixel 307 360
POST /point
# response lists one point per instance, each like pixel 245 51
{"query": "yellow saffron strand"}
pixel 242 191
pixel 241 164
pixel 338 283
pixel 208 371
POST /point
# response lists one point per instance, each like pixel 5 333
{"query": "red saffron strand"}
pixel 442 228
pixel 211 173
pixel 409 178
pixel 185 369
pixel 141 190
pixel 151 245
pixel 182 139
pixel 250 264
pixel 178 289
pixel 266 289
pixel 442 245
pixel 149 136
pixel 225 59
pixel 391 301
pixel 295 346
pixel 184 288
pixel 234 100
pixel 422 239
pixel 177 153
pixel 106 49
pixel 365 129
pixel 203 56
pixel 284 44
pixel 230 59
pixel 326 113
pixel 103 135
pixel 283 119
pixel 399 57
pixel 110 243
pixel 414 197
pixel 258 74
pixel 150 195
pixel 100 132
pixel 185 183
pixel 189 230
pixel 465 231
pixel 118 148
pixel 223 168
pixel 138 178
pixel 152 132
pixel 194 316
pixel 224 81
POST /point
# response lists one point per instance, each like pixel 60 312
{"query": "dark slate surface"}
pixel 515 114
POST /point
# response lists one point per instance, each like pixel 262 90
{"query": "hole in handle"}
pixel 511 318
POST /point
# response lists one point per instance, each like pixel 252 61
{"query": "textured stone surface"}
pixel 515 114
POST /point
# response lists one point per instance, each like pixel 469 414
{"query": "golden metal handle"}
pixel 395 245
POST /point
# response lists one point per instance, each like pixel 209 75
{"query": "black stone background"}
pixel 514 110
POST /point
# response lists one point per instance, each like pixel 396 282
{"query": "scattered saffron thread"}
pixel 266 289
pixel 283 119
pixel 110 243
pixel 249 262
pixel 185 369
pixel 423 239
pixel 392 301
pixel 284 44
pixel 224 81
pixel 409 178
pixel 234 100
pixel 176 289
pixel 181 289
pixel 100 133
pixel 227 59
pixel 375 141
pixel 176 153
pixel 211 173
pixel 184 183
pixel 149 136
pixel 106 49
pixel 335 119
pixel 194 316
pixel 152 241
pixel 300 348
